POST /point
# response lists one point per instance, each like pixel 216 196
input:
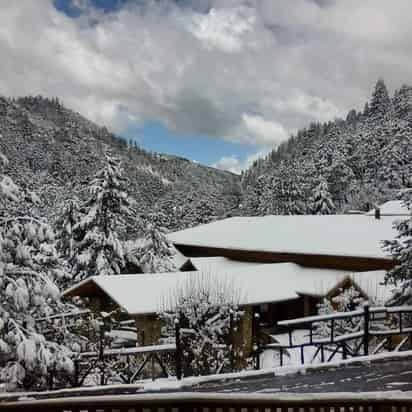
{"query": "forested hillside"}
pixel 55 151
pixel 326 168
pixel 340 165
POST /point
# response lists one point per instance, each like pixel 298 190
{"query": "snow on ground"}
pixel 391 208
pixel 292 357
pixel 171 384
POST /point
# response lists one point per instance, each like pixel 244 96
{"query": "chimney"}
pixel 377 213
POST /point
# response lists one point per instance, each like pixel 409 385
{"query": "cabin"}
pixel 283 267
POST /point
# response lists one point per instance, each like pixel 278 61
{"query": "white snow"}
pixel 256 284
pixel 333 235
pixel 220 263
pixel 391 208
pixel 173 384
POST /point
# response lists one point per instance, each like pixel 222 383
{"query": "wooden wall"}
pixel 357 264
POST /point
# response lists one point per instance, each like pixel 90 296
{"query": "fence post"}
pixel 256 346
pixel 344 351
pixel 366 317
pixel 76 378
pixel 231 341
pixel 101 354
pixel 178 353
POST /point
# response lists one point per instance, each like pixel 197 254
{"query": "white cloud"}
pixel 241 70
pixel 235 165
pixel 264 131
pixel 230 163
pixel 222 29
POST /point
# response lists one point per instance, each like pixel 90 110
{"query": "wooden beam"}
pixel 352 263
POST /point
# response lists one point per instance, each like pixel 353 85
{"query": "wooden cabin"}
pixel 283 266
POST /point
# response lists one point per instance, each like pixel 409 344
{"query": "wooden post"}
pixel 281 356
pixel 178 353
pixel 302 355
pixel 101 355
pixel 50 380
pixel 290 336
pixel 344 351
pixel 400 322
pixel 76 372
pixel 256 345
pixel 153 367
pixel 332 330
pixel 231 341
pixel 310 333
pixel 322 353
pixel 366 316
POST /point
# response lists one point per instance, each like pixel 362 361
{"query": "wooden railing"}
pixel 149 355
pixel 339 342
pixel 196 402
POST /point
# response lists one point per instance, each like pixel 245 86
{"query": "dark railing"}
pixel 196 402
pixel 132 371
pixel 339 342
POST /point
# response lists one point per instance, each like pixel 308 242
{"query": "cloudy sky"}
pixel 217 81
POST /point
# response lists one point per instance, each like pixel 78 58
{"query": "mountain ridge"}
pixel 55 151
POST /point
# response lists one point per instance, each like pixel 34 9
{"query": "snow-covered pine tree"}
pixel 155 253
pixel 28 268
pixel 401 250
pixel 9 191
pixel 206 308
pixel 322 203
pixel 380 102
pixel 65 227
pixel 99 250
pixel 348 299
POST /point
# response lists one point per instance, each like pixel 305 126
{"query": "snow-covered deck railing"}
pixel 131 351
pixel 320 318
pixel 74 313
pixel 370 323
pixel 145 354
pixel 213 402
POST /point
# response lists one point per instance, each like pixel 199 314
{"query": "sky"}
pixel 221 82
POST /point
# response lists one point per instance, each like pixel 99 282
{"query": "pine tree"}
pixel 155 255
pixel 401 250
pixel 348 299
pixel 65 227
pixel 322 203
pixel 99 250
pixel 380 102
pixel 402 103
pixel 29 267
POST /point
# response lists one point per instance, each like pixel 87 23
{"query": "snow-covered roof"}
pixel 220 264
pixel 333 235
pixel 178 258
pixel 263 283
pixel 391 208
pixel 372 284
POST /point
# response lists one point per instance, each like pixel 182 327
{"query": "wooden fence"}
pixel 188 402
pixel 148 355
pixel 338 343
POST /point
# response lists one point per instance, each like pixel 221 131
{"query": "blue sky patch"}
pixel 69 8
pixel 206 150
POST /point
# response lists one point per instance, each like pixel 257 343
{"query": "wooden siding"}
pixel 353 263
